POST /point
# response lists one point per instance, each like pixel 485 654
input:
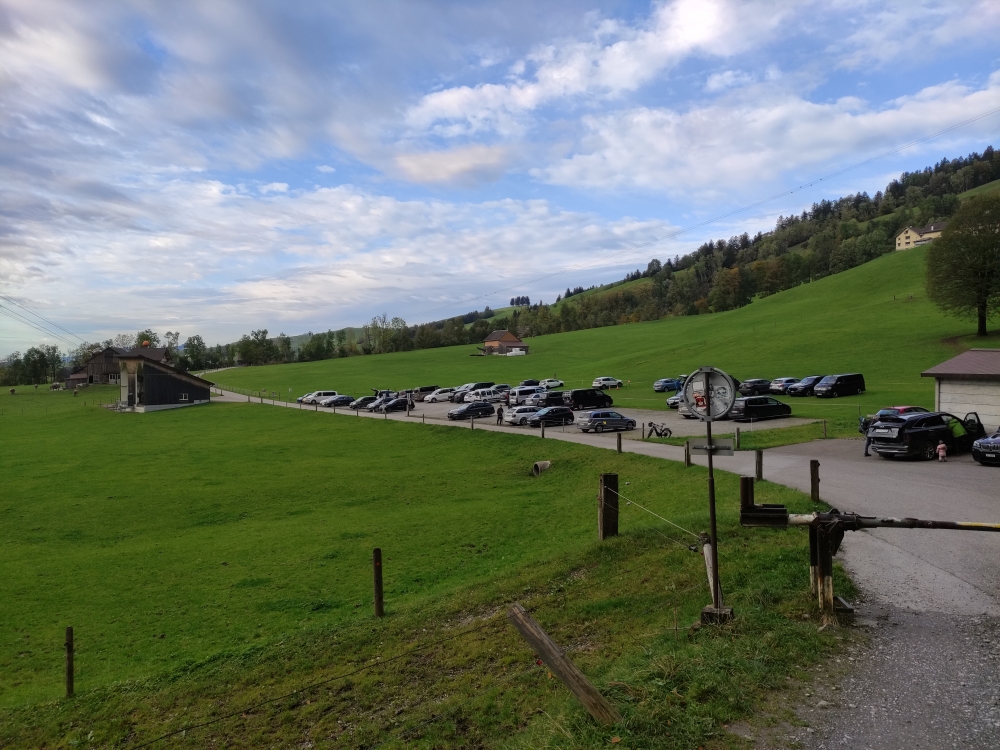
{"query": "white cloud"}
pixel 274 187
pixel 325 169
pixel 458 165
pixel 728 79
pixel 745 142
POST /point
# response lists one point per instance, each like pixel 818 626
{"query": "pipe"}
pixel 540 466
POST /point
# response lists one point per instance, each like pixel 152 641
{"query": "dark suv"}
pixel 753 408
pixel 805 386
pixel 587 398
pixel 840 385
pixel 917 434
pixel 552 415
pixel 755 387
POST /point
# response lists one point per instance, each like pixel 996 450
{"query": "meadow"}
pixel 874 319
pixel 213 557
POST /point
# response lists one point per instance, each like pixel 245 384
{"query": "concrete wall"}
pixel 959 397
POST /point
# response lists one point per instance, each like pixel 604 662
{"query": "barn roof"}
pixel 975 364
pixel 133 355
pixel 499 335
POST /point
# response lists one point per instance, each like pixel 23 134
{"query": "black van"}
pixel 840 385
pixel 587 398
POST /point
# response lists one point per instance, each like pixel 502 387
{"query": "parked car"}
pixel 668 384
pixel 551 383
pixel 805 386
pixel 315 396
pixel 441 394
pixel 377 403
pixel 520 395
pixel 551 415
pixel 361 403
pixel 754 387
pixel 519 414
pixel 606 382
pixel 890 411
pixel 587 398
pixel 918 433
pixel 840 385
pixel 501 387
pixel 483 394
pixel 753 408
pixel 599 421
pixel 545 398
pixel 780 386
pixel 459 393
pixel 528 382
pixel 475 410
pixel 340 400
pixel 395 404
pixel 986 450
pixel 675 401
pixel 300 399
pixel 421 393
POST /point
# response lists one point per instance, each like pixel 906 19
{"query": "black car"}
pixel 362 403
pixel 986 450
pixel 528 382
pixel 379 402
pixel 546 398
pixel 551 415
pixel 473 410
pixel 395 404
pixel 918 434
pixel 754 387
pixel 339 401
pixel 753 408
pixel 832 386
pixel 805 386
pixel 587 398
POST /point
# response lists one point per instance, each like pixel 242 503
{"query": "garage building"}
pixel 969 382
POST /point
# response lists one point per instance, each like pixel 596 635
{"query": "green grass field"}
pixel 874 319
pixel 215 556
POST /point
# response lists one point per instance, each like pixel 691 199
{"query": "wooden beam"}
pixel 596 704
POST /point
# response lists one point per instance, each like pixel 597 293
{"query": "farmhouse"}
pixel 149 385
pixel 969 382
pixel 503 342
pixel 911 236
pixel 102 367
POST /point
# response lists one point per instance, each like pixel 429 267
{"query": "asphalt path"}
pixel 930 598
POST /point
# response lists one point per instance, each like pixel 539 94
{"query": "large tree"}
pixel 963 265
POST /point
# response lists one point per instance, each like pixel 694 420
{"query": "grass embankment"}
pixel 873 319
pixel 213 557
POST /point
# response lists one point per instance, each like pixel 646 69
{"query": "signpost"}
pixel 709 394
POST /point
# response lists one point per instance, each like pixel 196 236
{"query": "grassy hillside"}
pixel 215 557
pixel 875 319
pixel 989 187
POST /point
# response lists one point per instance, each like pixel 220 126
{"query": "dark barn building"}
pixel 103 369
pixel 148 385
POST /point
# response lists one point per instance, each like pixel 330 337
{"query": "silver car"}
pixel 519 414
pixel 599 421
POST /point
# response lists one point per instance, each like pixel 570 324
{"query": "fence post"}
pixel 825 577
pixel 824 429
pixel 759 456
pixel 472 423
pixel 607 507
pixel 619 442
pixel 570 675
pixel 746 494
pixel 687 454
pixel 736 442
pixel 69 662
pixel 543 429
pixel 814 480
pixel 813 560
pixel 377 574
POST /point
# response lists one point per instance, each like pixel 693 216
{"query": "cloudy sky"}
pixel 222 165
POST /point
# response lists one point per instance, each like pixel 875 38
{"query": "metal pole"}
pixel 716 590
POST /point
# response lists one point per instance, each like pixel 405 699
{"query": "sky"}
pixel 215 167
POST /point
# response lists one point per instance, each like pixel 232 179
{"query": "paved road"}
pixel 931 599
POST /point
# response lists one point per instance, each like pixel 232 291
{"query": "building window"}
pixel 184 397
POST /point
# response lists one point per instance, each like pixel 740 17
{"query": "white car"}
pixel 489 395
pixel 316 396
pixel 519 414
pixel 606 382
pixel 441 394
pixel 551 383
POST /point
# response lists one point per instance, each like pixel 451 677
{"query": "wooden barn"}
pixel 103 368
pixel 503 342
pixel 149 385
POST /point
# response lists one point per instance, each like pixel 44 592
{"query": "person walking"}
pixel 500 415
pixel 864 423
pixel 942 451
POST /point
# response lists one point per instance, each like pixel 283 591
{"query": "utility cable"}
pixel 37 326
pixel 719 217
pixel 39 315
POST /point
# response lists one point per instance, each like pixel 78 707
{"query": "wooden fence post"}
pixel 543 428
pixel 570 675
pixel 814 480
pixel 607 507
pixel 813 561
pixel 619 435
pixel 759 474
pixel 736 442
pixel 746 494
pixel 69 662
pixel 687 454
pixel 377 574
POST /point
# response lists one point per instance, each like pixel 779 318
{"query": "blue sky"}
pixel 216 167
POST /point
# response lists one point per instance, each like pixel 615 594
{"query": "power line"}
pixel 39 315
pixel 719 217
pixel 21 319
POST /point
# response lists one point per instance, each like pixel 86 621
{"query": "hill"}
pixel 873 319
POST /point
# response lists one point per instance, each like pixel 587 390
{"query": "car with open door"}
pixel 917 434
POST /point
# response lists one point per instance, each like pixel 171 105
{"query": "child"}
pixel 942 451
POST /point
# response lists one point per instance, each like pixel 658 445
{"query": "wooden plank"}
pixel 569 674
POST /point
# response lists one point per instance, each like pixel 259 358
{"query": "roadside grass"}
pixel 759 439
pixel 873 319
pixel 215 556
